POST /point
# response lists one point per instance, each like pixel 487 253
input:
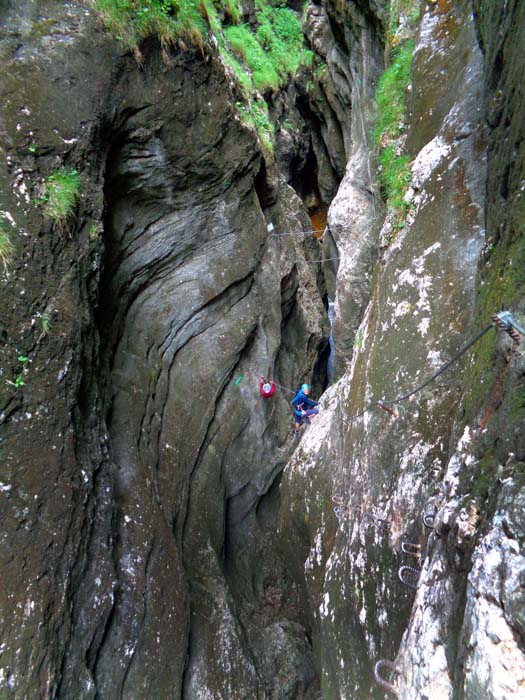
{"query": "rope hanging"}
pixel 271 381
pixel 300 233
pixel 320 260
pixel 504 320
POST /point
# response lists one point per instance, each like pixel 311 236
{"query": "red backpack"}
pixel 266 388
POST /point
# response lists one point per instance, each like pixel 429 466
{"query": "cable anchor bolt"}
pixel 380 404
pixel 409 576
pixel 507 322
pixel 394 671
pixel 429 520
pixel 411 548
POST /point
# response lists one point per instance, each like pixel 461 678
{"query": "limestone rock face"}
pixel 382 472
pixel 467 618
pixel 140 479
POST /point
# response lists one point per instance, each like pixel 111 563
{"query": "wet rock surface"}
pixel 382 473
pixel 454 452
pixel 142 476
pixel 140 483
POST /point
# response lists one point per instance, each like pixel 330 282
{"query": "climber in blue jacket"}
pixel 303 406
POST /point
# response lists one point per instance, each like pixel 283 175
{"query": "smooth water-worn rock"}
pixel 140 479
pixel 341 113
pixel 465 637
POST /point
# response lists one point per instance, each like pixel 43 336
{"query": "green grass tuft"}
pixel 210 14
pixel 246 46
pixel 281 37
pixel 244 77
pixel 7 248
pixel 264 126
pixel 46 323
pixel 132 21
pixel 62 193
pixel 390 126
pixel 254 113
pixel 233 11
pixel 395 178
pixel 307 58
pixel 190 22
pixel 390 94
pixel 274 52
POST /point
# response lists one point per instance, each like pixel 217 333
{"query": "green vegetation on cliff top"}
pixel 261 58
pixel 273 52
pixel 390 125
pixel 256 112
pixel 132 21
pixel 390 95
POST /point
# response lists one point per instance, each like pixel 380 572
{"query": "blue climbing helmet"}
pixel 305 387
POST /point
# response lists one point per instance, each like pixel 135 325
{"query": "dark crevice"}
pixel 305 178
pixel 338 35
pixel 289 285
pixel 267 508
pixel 228 550
pixel 265 192
pixel 320 380
pixel 315 122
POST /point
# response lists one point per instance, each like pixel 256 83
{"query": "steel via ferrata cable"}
pixel 427 381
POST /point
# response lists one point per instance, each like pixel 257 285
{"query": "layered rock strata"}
pixel 140 479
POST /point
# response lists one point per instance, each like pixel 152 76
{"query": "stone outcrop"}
pixel 140 482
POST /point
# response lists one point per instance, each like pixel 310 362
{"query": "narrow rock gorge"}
pixel 164 532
